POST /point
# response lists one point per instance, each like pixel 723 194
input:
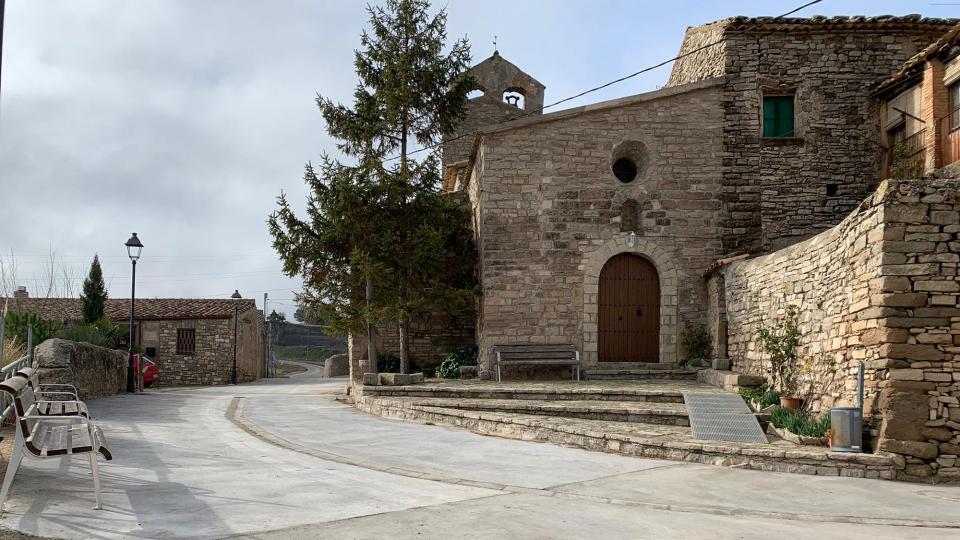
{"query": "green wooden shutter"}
pixel 778 116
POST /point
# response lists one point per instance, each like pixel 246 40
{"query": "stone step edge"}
pixel 882 466
pixel 424 389
pixel 642 407
pixel 639 372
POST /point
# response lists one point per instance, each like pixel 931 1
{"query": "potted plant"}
pixel 780 340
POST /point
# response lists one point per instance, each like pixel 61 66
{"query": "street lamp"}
pixel 236 308
pixel 133 251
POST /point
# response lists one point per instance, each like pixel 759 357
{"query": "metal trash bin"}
pixel 846 429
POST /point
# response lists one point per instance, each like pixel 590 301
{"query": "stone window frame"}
pixel 666 266
pixel 776 89
pixel 642 149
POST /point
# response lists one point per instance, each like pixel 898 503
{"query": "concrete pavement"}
pixel 281 459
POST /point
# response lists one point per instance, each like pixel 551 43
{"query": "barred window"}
pixel 186 340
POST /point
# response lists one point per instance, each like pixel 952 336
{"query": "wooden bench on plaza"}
pixel 54 399
pixel 49 436
pixel 535 354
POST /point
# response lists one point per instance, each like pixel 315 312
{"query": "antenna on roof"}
pixel 495 51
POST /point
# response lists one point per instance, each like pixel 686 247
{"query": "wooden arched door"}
pixel 629 310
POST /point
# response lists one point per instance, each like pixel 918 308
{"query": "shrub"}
pixel 388 363
pixel 780 340
pixel 762 395
pixel 17 324
pixel 102 333
pixel 463 356
pixel 800 422
pixel 12 351
pixel 695 341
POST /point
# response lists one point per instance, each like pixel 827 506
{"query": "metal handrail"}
pixel 8 371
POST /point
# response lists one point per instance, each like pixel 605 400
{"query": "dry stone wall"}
pixel 881 288
pixel 94 371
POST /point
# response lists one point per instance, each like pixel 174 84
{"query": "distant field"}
pixel 305 353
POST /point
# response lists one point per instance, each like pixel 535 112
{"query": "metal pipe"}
pixel 860 386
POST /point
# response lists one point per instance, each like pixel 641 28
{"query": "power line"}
pixel 591 90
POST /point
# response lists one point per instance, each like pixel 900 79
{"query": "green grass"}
pixel 304 353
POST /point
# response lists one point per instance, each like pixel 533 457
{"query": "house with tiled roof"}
pixel 191 339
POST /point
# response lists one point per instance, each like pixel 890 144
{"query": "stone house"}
pixel 920 110
pixel 191 339
pixel 596 226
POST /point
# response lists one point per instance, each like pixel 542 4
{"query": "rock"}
pixel 919 470
pixel 95 371
pixel 337 365
pixel 394 379
pixel 371 379
pixel 468 372
pixel 416 378
pixel 922 450
pixel 938 434
pixel 950 449
pixel 905 410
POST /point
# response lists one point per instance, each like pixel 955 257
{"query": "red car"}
pixel 149 369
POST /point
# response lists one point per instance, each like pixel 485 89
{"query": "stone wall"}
pixel 431 338
pixel 703 60
pixel 880 288
pixel 779 191
pixel 95 371
pixel 549 213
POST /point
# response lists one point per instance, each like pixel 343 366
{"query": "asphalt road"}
pixel 281 459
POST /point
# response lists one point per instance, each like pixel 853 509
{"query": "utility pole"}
pixel 3 6
pixel 266 347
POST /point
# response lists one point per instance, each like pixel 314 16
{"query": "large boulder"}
pixel 95 371
pixel 337 365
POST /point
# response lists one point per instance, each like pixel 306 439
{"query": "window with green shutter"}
pixel 777 116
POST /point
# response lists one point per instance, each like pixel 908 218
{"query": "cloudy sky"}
pixel 184 119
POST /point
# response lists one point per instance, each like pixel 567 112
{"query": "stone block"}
pixel 876 336
pixel 899 299
pixel 395 379
pixel 950 449
pixel 915 353
pixel 371 379
pixel 922 450
pixel 337 365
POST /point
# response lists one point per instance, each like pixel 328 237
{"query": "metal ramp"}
pixel 722 417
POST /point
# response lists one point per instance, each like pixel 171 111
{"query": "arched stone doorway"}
pixel 628 310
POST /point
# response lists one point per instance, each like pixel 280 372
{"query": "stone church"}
pixel 600 226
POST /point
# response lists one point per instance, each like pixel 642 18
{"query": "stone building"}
pixel 191 340
pixel 596 225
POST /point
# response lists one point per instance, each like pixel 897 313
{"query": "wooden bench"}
pixel 554 355
pixel 54 399
pixel 45 436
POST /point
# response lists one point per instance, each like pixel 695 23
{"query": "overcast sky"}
pixel 182 120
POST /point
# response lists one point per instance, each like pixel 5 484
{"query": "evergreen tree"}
pixel 93 299
pixel 377 220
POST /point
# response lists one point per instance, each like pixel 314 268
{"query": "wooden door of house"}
pixel 629 310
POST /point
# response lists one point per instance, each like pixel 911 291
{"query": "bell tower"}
pixel 507 93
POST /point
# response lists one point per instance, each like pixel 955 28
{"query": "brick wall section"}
pixel 936 107
pixel 882 288
pixel 776 192
pixel 548 213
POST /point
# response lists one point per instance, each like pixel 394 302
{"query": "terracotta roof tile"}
pixel 118 309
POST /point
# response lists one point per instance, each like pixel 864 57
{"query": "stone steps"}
pixel 639 374
pixel 654 441
pixel 667 394
pixel 670 414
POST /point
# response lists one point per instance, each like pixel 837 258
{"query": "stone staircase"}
pixel 643 417
pixel 642 372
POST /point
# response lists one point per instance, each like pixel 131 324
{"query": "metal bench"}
pixel 554 355
pixel 54 399
pixel 45 436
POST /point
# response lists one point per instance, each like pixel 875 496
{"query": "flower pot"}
pixel 791 402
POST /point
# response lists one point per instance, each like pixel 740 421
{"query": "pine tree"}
pixel 93 299
pixel 377 220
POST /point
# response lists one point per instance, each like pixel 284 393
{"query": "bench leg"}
pixel 15 458
pixel 96 478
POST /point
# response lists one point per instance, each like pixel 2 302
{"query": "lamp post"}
pixel 133 251
pixel 236 309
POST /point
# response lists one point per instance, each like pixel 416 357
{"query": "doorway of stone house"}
pixel 629 310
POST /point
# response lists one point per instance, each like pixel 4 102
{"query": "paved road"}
pixel 281 459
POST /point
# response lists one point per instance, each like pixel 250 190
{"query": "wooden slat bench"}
pixel 54 399
pixel 554 355
pixel 43 436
